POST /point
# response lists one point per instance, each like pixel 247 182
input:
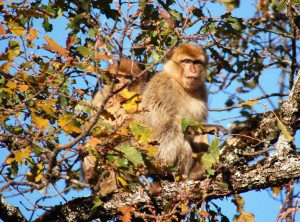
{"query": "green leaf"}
pixel 132 154
pixel 84 51
pixel 97 202
pixel 208 159
pixel 284 130
pixel 92 32
pixel 46 25
pixel 185 123
pixel 214 147
pixel 141 134
pixel 14 50
pixel 176 14
pixel 75 22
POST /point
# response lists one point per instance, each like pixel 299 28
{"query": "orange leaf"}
pixel 249 103
pixel 23 88
pixel 276 191
pixel 33 33
pixel 2 30
pixel 94 141
pixel 126 211
pixel 104 57
pixel 54 47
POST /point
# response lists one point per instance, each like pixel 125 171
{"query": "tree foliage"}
pixel 55 56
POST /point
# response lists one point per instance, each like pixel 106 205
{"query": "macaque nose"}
pixel 193 70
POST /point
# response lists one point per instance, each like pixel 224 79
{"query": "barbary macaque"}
pixel 124 72
pixel 178 92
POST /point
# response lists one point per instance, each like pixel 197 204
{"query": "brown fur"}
pixel 126 67
pixel 166 99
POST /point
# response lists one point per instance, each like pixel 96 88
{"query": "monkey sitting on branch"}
pixel 123 71
pixel 178 92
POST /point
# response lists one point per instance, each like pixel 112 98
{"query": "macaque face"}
pixel 193 72
pixel 122 79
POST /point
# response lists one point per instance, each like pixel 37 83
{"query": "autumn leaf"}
pixel 23 88
pixel 2 30
pixel 284 130
pixel 93 141
pixel 151 151
pixel 36 173
pixel 47 107
pixel 97 202
pixel 15 28
pixel 244 217
pixel 131 154
pixel 54 47
pixel 19 155
pixel 249 103
pixel 276 191
pixel 33 33
pixel 69 124
pixel 131 106
pixel 40 122
pixel 126 94
pixel 122 181
pixel 12 85
pixel 126 213
pixel 101 56
pixel 14 50
pixel 141 134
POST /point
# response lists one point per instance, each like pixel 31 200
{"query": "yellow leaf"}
pixel 284 130
pixel 90 69
pixel 47 107
pixel 126 94
pixel 9 160
pixel 6 67
pixel 33 33
pixel 131 106
pixel 39 176
pixel 68 124
pixel 12 85
pixel 249 103
pixel 94 141
pixel 245 217
pixel 151 151
pixel 15 28
pixel 19 156
pixel 23 88
pixel 40 122
pixel 122 181
pixel 54 47
pixel 276 191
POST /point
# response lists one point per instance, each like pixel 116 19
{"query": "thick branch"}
pixel 9 212
pixel 269 172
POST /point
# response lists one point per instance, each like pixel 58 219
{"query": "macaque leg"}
pixel 174 149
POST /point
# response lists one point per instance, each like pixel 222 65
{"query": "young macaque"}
pixel 124 72
pixel 178 92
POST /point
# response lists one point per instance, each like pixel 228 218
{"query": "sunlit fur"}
pixel 126 67
pixel 167 98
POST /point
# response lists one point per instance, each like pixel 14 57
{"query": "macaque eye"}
pixel 120 76
pixel 187 61
pixel 197 62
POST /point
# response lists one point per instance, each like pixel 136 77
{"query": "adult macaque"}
pixel 124 72
pixel 175 93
